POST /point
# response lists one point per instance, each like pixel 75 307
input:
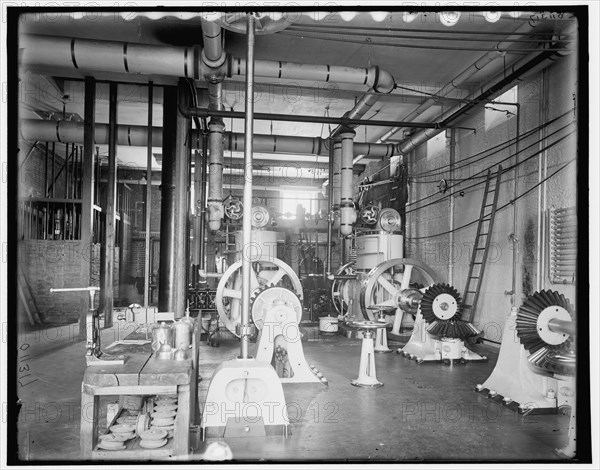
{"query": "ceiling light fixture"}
pixel 449 18
pixel 379 16
pixel 492 16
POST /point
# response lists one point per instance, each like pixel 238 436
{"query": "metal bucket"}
pixel 328 324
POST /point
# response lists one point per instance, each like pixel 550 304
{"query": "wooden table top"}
pixel 141 368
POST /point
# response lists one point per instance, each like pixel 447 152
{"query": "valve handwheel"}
pixel 265 272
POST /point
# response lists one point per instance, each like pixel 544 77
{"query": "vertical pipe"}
pixel 329 209
pixel 46 170
pixel 148 205
pixel 247 200
pixel 515 240
pixel 110 208
pixel 166 286
pixel 215 187
pixel 87 193
pixel 202 234
pixel 451 208
pixel 53 161
pixel 541 192
pixel 174 242
pixel 347 211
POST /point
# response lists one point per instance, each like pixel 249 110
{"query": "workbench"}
pixel 141 374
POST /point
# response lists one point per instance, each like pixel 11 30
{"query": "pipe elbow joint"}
pixel 383 81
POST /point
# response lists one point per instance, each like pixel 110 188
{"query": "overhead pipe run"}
pixel 517 72
pixel 88 55
pixel 136 136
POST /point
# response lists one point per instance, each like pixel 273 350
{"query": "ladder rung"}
pixel 467 306
pixel 474 277
pixel 472 291
pixel 483 233
pixel 481 248
pixel 477 263
pixel 489 205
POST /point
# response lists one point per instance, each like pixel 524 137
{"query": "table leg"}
pixel 181 434
pixel 89 424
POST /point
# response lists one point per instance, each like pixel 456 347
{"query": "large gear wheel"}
pixel 441 308
pixel 268 297
pixel 549 350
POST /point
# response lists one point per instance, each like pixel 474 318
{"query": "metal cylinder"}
pixel 347 210
pixel 247 200
pixel 561 326
pixel 215 174
pixel 336 178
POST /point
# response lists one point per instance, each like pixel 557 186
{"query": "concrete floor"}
pixel 426 412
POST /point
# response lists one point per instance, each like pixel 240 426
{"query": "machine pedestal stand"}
pixel 367 376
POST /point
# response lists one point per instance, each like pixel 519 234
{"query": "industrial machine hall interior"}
pixel 298 235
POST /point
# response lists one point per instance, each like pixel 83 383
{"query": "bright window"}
pixel 309 200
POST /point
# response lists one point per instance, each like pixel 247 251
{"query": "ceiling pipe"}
pixel 484 61
pixel 136 136
pixel 344 121
pixel 88 55
pixel 506 79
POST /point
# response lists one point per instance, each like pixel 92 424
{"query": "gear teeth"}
pixel 526 324
pixel 428 298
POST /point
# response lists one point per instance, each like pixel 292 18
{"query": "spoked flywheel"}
pixel 441 308
pixel 544 327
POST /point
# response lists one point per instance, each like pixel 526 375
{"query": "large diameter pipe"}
pixel 347 210
pixel 136 136
pixel 336 176
pixel 215 174
pixel 212 37
pixel 521 70
pixel 88 55
pixel 454 85
pixel 247 195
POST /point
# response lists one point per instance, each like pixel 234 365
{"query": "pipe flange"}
pixel 389 220
pixel 554 312
pixel 260 216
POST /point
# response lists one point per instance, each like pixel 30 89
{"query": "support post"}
pixel 148 205
pixel 109 209
pixel 87 188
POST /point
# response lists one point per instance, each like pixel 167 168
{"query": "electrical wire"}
pixel 355 32
pixel 511 202
pixel 470 163
pixel 440 172
pixel 428 31
pixel 504 170
pixel 411 46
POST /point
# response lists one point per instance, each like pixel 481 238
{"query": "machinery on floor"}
pixel 277 312
pixel 439 334
pixel 536 365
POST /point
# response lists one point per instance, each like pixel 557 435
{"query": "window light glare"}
pixel 379 16
pixel 492 16
pixel 409 17
pixel 275 15
pixel 348 15
pixel 449 18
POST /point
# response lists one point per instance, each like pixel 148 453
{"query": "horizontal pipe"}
pixel 136 136
pixel 88 55
pixel 344 121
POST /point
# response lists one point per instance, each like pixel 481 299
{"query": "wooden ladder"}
pixel 479 255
